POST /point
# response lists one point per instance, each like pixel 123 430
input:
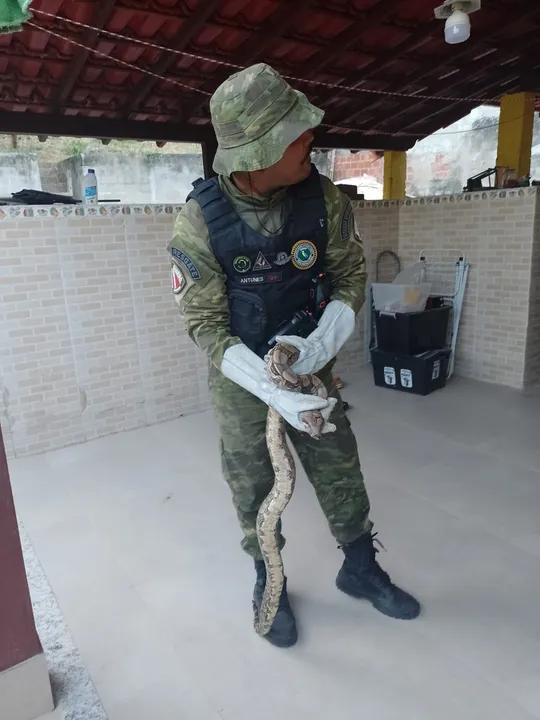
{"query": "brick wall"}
pixel 532 359
pixel 379 231
pixel 428 172
pixel 495 230
pixel 347 165
pixel 91 342
pixel 90 338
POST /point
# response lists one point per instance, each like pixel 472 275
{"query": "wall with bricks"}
pixel 366 162
pixel 91 342
pixel 532 359
pixel 496 231
pixel 379 231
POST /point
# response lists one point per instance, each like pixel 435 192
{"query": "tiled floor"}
pixel 140 544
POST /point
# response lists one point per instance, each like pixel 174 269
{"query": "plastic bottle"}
pixel 90 188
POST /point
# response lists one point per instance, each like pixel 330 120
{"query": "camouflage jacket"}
pixel 199 281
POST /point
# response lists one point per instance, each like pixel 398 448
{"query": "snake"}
pixel 279 360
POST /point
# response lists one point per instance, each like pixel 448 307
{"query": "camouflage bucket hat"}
pixel 256 115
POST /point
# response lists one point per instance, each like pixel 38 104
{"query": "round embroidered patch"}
pixel 177 278
pixel 304 254
pixel 241 264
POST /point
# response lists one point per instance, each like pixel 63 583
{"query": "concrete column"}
pixel 395 175
pixel 25 691
pixel 515 133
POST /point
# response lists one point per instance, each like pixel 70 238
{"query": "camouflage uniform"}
pixel 332 464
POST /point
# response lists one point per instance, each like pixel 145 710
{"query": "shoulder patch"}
pixel 347 220
pixel 178 278
pixel 184 258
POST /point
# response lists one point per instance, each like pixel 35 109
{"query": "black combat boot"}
pixel 362 577
pixel 283 632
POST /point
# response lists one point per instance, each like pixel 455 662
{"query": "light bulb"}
pixel 457 28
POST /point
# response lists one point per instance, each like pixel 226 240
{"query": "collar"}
pixel 257 202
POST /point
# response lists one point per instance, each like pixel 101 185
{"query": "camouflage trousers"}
pixel 331 464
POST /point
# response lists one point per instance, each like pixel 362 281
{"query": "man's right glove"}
pixel 334 329
pixel 245 368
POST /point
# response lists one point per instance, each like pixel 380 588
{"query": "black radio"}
pixel 304 322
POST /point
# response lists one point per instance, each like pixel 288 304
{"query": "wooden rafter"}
pixel 501 84
pixel 194 22
pixel 259 43
pixel 101 14
pixel 28 123
pixel 481 38
pixel 386 58
pixel 473 71
pixel 349 37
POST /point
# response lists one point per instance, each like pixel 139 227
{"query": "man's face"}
pixel 295 165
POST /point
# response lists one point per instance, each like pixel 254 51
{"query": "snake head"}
pixel 314 422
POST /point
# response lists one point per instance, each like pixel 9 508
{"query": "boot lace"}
pixel 380 576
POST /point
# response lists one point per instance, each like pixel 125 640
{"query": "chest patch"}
pixel 242 264
pixel 282 258
pixel 304 255
pixel 261 263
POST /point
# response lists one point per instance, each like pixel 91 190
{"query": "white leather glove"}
pixel 248 370
pixel 322 345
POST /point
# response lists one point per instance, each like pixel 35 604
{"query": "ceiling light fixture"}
pixel 458 25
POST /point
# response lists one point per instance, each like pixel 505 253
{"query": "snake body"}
pixel 279 361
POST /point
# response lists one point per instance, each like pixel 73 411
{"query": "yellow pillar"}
pixel 395 175
pixel 515 132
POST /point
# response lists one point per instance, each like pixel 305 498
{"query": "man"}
pixel 254 249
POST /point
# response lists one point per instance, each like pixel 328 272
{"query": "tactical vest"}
pixel 268 278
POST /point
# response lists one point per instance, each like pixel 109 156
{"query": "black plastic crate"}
pixel 413 333
pixel 417 374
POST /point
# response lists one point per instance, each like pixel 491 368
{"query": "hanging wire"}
pixel 117 60
pixel 226 63
pixel 192 88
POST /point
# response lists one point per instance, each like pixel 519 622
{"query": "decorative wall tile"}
pixel 445 199
pixel 56 211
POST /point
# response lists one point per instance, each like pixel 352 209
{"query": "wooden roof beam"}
pixel 501 73
pixel 470 71
pixel 361 141
pixel 192 24
pixel 382 61
pixel 504 83
pixel 467 48
pixel 257 44
pixel 102 13
pixel 30 123
pixel 349 37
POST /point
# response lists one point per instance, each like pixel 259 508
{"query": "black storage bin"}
pixel 412 333
pixel 417 374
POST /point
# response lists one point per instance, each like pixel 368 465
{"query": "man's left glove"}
pixel 322 345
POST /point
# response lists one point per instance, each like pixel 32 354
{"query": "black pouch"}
pixel 249 319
